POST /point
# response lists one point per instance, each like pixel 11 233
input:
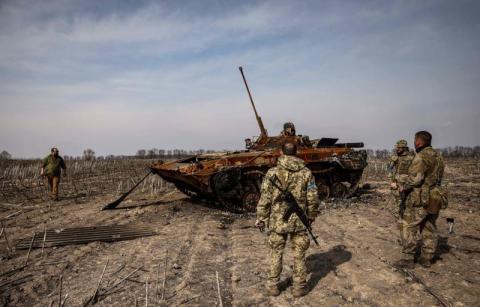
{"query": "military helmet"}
pixel 401 144
pixel 288 125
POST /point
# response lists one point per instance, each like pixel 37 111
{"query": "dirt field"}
pixel 352 266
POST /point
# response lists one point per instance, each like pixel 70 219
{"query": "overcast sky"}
pixel 117 76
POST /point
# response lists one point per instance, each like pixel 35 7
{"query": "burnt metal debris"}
pixel 233 179
pixel 83 235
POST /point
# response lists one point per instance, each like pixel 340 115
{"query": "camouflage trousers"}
pixel 300 243
pixel 420 230
pixel 394 204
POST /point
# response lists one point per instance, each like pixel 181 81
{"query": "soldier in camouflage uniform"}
pixel 398 165
pixel 288 129
pixel 424 200
pixel 52 168
pixel 296 178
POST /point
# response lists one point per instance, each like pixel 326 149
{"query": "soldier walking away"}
pixel 424 199
pixel 290 175
pixel 398 165
pixel 52 169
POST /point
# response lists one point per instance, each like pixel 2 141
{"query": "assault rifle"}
pixel 293 207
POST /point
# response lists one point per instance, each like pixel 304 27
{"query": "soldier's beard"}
pixel 420 148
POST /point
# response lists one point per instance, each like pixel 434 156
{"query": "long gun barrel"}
pixel 263 131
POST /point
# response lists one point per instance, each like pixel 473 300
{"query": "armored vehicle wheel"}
pixel 339 190
pixel 250 197
pixel 323 189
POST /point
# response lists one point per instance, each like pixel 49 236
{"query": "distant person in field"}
pixel 52 169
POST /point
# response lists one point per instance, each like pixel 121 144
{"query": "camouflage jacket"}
pixel 425 173
pixel 53 166
pixel 292 173
pixel 399 164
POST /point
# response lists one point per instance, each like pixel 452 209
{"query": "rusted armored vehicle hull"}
pixel 234 179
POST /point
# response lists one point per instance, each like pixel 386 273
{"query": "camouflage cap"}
pixel 401 144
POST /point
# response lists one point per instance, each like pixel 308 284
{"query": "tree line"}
pixel 154 153
pixel 449 152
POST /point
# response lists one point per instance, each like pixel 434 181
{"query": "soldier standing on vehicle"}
pixel 288 129
pixel 52 169
pixel 292 175
pixel 398 165
pixel 425 197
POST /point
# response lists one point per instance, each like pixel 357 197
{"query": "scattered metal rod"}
pixel 94 297
pixel 427 288
pixel 156 285
pixel 122 280
pixel 29 250
pixel 417 279
pixel 64 300
pixel 134 280
pixel 219 293
pixel 44 238
pixel 54 262
pixel 122 266
pixel 185 301
pixel 146 292
pixel 13 215
pixel 17 281
pixel 60 292
pixel 464 250
pixel 5 236
pixel 12 271
pixel 164 276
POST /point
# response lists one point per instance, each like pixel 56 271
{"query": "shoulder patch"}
pixel 311 185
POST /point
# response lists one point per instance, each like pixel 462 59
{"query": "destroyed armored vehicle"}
pixel 234 178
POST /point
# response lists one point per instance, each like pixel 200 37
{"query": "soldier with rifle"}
pixel 288 206
pixel 425 196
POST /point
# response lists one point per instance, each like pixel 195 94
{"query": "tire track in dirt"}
pixel 208 253
pixel 369 255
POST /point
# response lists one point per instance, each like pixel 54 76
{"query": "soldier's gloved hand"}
pixel 260 225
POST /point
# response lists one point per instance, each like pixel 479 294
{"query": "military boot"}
pixel 406 262
pixel 272 290
pixel 299 292
pixel 425 260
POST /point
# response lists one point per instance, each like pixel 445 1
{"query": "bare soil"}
pixel 352 266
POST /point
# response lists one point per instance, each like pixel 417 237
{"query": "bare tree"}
pixel 141 153
pixel 4 155
pixel 88 154
pixel 152 153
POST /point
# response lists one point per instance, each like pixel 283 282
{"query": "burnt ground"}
pixel 352 266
